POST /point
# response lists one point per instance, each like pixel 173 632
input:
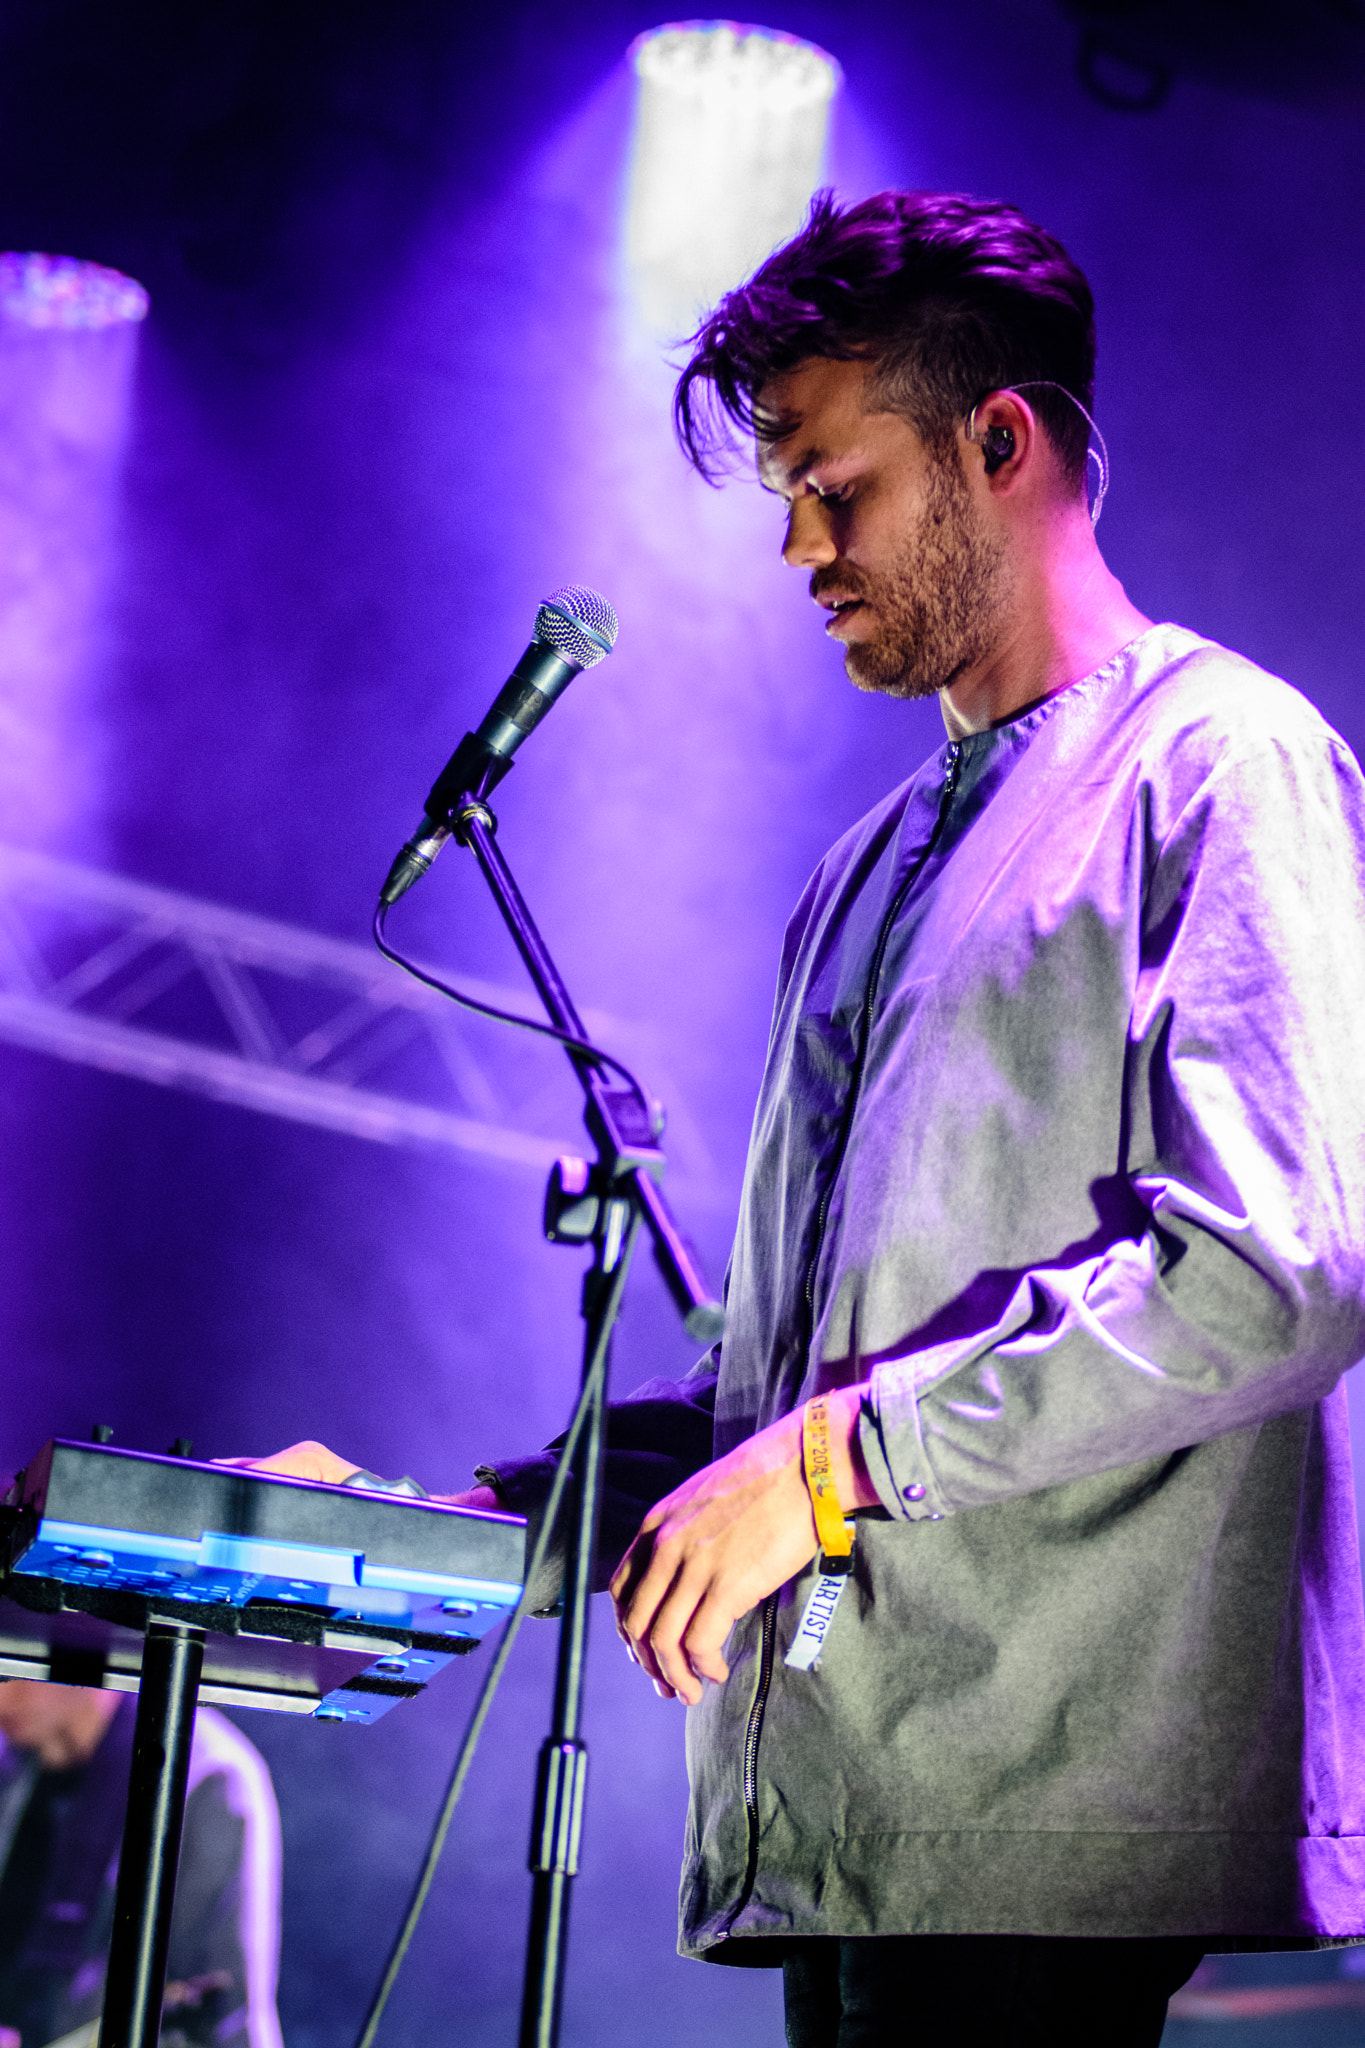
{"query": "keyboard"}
pixel 315 1599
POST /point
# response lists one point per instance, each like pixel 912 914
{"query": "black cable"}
pixel 465 1755
pixel 592 1380
pixel 583 1047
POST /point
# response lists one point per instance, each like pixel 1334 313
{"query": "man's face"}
pixel 916 584
pixel 61 1725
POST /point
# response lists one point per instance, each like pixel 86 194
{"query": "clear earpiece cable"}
pixel 1099 456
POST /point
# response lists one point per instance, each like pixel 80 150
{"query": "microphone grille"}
pixel 578 623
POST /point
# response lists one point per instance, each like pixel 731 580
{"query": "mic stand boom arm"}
pixel 602 1205
pixel 616 1119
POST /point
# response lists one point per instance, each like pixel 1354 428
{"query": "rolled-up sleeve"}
pixel 1242 1139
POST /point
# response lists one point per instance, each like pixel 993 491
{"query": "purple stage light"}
pixel 729 141
pixel 68 341
pixel 60 291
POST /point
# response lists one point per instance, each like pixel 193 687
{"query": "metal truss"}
pixel 140 981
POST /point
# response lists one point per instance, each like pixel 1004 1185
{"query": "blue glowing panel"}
pixel 90 1515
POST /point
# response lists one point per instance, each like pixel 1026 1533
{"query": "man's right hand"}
pixel 311 1460
pixel 307 1460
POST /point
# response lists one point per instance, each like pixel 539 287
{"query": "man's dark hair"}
pixel 950 297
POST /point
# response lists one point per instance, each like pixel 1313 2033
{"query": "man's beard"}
pixel 940 606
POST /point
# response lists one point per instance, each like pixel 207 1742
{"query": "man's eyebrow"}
pixel 807 460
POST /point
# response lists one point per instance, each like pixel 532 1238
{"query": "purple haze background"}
pixel 388 395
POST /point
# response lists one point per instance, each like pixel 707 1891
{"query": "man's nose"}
pixel 808 544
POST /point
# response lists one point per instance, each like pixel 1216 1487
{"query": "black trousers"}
pixel 981 1991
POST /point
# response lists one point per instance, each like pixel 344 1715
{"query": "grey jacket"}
pixel 1061 1143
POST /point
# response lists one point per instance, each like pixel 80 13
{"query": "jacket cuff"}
pixel 892 1444
pixel 524 1484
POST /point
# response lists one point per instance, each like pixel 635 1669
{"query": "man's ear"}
pixel 998 444
pixel 1002 425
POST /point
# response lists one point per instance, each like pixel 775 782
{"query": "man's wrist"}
pixel 487 1499
pixel 848 1467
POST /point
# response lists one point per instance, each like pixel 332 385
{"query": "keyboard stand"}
pixel 166 1697
pixel 181 1579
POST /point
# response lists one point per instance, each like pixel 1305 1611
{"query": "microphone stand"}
pixel 602 1204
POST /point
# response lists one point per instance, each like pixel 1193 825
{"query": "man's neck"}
pixel 1068 615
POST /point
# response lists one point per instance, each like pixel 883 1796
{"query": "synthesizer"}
pixel 329 1600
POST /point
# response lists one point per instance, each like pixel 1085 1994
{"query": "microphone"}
pixel 575 629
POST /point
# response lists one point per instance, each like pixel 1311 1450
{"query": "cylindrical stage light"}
pixel 68 338
pixel 729 137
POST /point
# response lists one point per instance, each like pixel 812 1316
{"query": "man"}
pixel 1056 1196
pixel 63 1790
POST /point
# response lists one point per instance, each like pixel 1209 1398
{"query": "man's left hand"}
pixel 722 1542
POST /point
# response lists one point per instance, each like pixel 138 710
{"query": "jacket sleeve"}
pixel 656 1438
pixel 1243 1140
pixel 206 1969
pixel 225 1928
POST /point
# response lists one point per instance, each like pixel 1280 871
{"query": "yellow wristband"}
pixel 836 1538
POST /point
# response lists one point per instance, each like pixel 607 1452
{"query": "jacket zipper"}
pixel 954 767
pixel 751 1739
pixel 754 1728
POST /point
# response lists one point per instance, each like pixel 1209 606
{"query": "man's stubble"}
pixel 942 605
